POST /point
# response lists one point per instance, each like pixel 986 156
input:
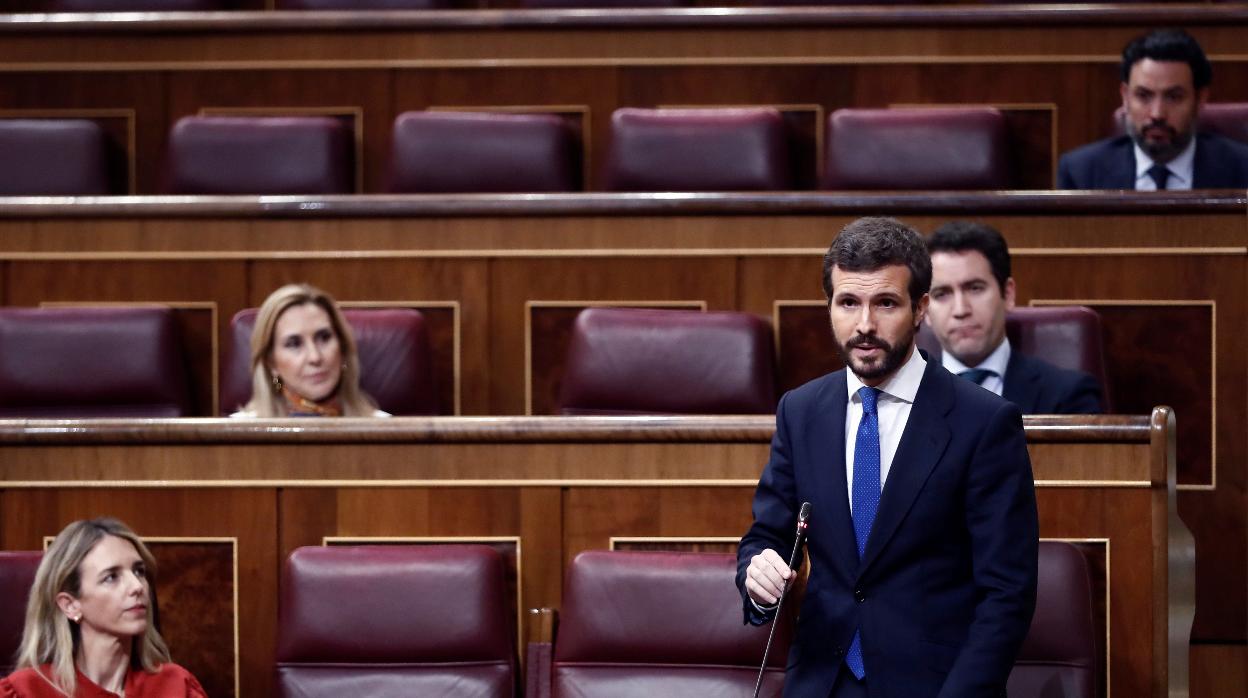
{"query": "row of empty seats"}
pixel 724 149
pixel 435 620
pixel 129 362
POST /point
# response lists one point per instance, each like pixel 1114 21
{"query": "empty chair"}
pixel 363 4
pixel 1066 336
pixel 698 150
pixel 557 4
pixel 396 363
pixel 53 157
pixel 17 572
pixel 635 361
pixel 133 5
pixel 1058 658
pixel 91 362
pixel 260 155
pixel 448 152
pixel 397 620
pixel 618 637
pixel 908 149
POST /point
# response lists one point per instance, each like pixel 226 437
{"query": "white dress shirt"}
pixel 1181 170
pixel 995 362
pixel 892 408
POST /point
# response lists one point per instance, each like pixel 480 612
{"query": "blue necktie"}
pixel 866 497
pixel 977 375
pixel 1160 175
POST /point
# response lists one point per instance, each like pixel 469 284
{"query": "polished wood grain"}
pixel 1147 261
pixel 553 485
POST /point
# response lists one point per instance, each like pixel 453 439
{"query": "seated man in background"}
pixel 971 291
pixel 1165 82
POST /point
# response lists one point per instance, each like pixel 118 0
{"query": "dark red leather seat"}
pixel 53 157
pixel 1059 657
pixel 1228 119
pixel 698 150
pixel 260 155
pixel 396 361
pixel 363 4
pixel 1067 336
pixel 648 624
pixel 395 621
pixel 91 362
pixel 17 573
pixel 917 149
pixel 450 152
pixel 637 361
pixel 133 5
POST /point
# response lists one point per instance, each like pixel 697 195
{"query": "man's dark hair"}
pixel 1168 45
pixel 868 244
pixel 964 236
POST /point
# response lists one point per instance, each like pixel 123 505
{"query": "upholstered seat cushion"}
pixel 395 620
pixel 698 150
pixel 91 362
pixel 260 155
pixel 451 152
pixel 1059 658
pixel 631 361
pixel 53 157
pixel 909 149
pixel 618 637
pixel 17 573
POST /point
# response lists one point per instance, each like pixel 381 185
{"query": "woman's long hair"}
pixel 49 636
pixel 266 397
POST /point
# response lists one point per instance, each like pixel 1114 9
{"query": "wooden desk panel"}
pixel 1145 261
pixel 556 486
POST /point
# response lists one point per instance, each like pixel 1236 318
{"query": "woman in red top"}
pixel 88 631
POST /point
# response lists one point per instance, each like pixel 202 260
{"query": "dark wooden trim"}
pixel 591 204
pixel 675 429
pixel 259 22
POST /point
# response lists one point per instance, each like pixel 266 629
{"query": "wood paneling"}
pixel 548 487
pixel 1169 271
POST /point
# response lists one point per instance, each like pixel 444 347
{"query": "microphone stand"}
pixel 803 519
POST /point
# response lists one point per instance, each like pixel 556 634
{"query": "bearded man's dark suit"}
pixel 1219 163
pixel 946 588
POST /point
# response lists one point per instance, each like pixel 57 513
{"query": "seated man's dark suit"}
pixel 945 591
pixel 1220 163
pixel 1038 387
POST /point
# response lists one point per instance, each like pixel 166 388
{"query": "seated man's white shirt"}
pixel 995 362
pixel 1181 170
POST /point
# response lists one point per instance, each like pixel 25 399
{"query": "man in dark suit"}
pixel 971 291
pixel 923 538
pixel 1165 82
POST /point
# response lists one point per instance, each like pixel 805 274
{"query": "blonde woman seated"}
pixel 303 359
pixel 89 631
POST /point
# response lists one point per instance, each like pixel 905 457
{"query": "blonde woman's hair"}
pixel 49 636
pixel 266 398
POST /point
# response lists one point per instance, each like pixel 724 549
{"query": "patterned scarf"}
pixel 299 406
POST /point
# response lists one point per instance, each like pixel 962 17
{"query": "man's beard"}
pixel 894 354
pixel 1158 151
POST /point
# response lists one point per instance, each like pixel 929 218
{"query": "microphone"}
pixel 795 559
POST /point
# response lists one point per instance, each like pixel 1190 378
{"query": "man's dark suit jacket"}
pixel 946 589
pixel 1038 387
pixel 1220 163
